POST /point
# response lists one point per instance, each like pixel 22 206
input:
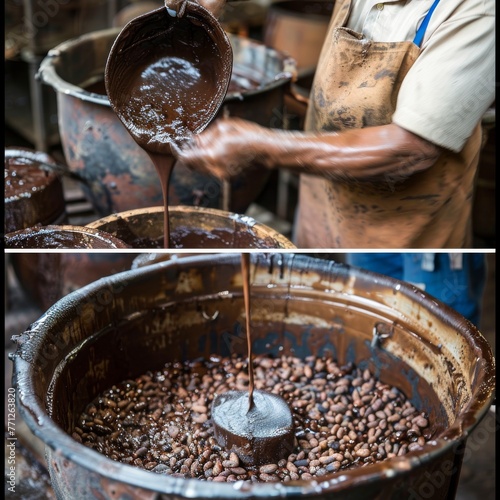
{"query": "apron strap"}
pixel 419 36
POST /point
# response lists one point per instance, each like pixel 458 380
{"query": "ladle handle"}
pixel 176 8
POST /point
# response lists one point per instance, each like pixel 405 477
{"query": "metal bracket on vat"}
pixel 381 331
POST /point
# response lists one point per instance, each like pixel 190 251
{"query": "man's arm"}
pixel 369 153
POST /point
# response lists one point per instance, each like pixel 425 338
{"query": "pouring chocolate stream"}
pixel 245 271
pixel 256 425
pixel 166 77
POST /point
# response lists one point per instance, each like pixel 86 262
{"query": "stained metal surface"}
pixel 143 228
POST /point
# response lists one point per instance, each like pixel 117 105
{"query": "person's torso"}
pixel 356 85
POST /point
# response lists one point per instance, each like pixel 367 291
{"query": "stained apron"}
pixel 356 86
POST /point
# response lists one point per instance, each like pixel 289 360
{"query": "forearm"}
pixel 368 153
pixel 231 145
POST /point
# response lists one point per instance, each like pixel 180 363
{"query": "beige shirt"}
pixel 468 80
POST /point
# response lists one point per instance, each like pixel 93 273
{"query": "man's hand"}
pixel 178 6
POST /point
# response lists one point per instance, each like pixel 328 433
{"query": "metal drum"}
pixel 117 175
pixel 125 325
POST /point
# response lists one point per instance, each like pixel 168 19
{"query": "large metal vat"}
pixel 122 326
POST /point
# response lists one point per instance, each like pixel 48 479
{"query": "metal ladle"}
pixel 166 77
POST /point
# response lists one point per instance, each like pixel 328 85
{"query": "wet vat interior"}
pixel 163 317
pixel 121 326
pixel 146 340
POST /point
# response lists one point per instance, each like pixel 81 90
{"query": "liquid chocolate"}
pixel 240 82
pixel 245 272
pixel 164 164
pixel 188 237
pixel 155 113
pixel 33 191
pixel 58 237
pixel 163 78
pixel 257 425
pixel 23 175
pixel 262 435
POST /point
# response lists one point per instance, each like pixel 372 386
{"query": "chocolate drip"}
pixel 245 271
pixel 257 425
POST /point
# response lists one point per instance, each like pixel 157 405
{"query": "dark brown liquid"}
pixel 240 82
pixel 257 426
pixel 238 236
pixel 161 103
pixel 164 78
pixel 166 99
pixel 182 236
pixel 57 237
pixel 245 271
pixel 262 435
pixel 164 165
pixel 23 174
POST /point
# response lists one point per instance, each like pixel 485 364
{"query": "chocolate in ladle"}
pixel 166 77
pixel 256 425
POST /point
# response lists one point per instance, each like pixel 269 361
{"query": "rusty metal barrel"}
pixel 190 227
pixel 122 326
